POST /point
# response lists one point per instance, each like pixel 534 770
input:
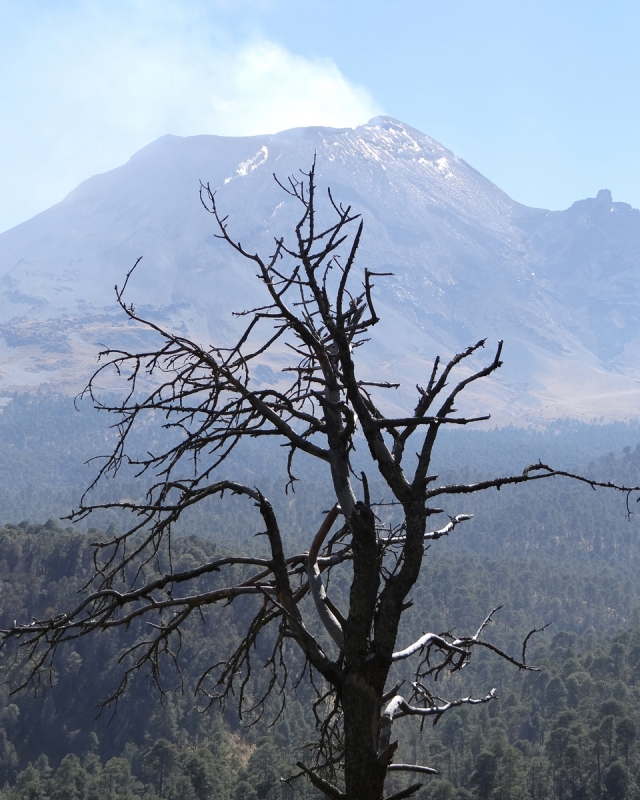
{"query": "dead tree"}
pixel 319 409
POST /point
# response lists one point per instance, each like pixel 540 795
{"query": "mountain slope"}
pixel 468 262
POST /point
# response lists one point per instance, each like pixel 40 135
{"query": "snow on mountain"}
pixel 561 288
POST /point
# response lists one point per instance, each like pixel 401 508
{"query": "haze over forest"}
pixel 468 262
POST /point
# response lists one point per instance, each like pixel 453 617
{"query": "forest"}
pixel 556 554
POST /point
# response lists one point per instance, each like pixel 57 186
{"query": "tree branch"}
pixel 324 786
pixel 329 620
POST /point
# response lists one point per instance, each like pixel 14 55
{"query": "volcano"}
pixel 561 288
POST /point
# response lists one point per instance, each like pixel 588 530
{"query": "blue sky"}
pixel 541 97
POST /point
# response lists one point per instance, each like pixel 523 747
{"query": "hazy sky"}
pixel 540 96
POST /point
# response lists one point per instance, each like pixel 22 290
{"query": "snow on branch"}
pixel 427 640
pixel 398 707
pixel 431 535
pixel 412 768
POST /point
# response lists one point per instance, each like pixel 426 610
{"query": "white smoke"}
pixel 83 85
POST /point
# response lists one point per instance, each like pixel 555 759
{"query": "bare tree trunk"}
pixel 364 775
pixel 365 675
